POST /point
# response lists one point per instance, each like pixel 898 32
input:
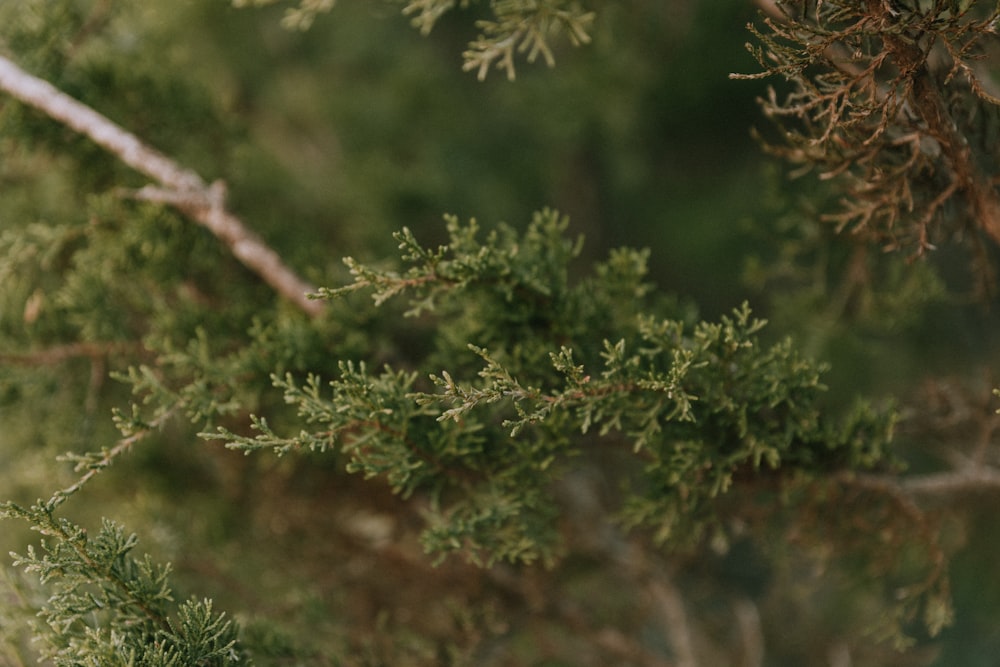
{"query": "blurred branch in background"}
pixel 182 188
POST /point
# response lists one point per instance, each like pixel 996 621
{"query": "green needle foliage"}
pixel 517 27
pixel 697 407
pixel 106 607
pixel 482 377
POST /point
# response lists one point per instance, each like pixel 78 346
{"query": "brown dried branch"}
pixel 179 187
pixel 928 104
pixel 869 107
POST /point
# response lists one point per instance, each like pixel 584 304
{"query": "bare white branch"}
pixel 751 632
pixel 179 187
pixel 678 629
pixel 967 480
pixel 963 481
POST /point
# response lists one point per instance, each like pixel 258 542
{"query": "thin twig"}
pixel 970 480
pixel 675 617
pixel 977 479
pixel 933 110
pixel 751 632
pixel 188 192
pixel 108 456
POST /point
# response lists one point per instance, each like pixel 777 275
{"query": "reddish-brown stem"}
pixel 928 104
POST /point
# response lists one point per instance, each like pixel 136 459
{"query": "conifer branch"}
pixel 180 187
pixel 67 533
pixel 95 462
pixel 978 479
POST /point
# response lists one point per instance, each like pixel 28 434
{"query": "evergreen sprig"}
pixel 295 18
pixel 505 260
pixel 701 408
pixel 518 27
pixel 107 607
pixel 370 417
pixel 525 27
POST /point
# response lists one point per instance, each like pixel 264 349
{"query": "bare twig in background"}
pixel 969 480
pixel 751 632
pixel 958 418
pixel 92 465
pixel 179 187
pixel 676 621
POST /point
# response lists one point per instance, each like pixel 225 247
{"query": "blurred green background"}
pixel 641 137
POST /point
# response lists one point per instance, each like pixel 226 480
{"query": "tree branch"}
pixel 92 464
pixel 928 103
pixel 970 480
pixel 181 188
pixel 977 479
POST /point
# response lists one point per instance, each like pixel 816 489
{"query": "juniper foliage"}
pixel 697 406
pixel 895 101
pixel 107 607
pixel 489 369
pixel 517 27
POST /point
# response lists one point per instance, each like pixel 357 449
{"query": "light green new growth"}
pixel 296 18
pixel 518 27
pixel 525 27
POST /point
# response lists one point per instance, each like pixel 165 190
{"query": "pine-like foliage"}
pixel 517 27
pixel 482 377
pixel 107 607
pixel 701 407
